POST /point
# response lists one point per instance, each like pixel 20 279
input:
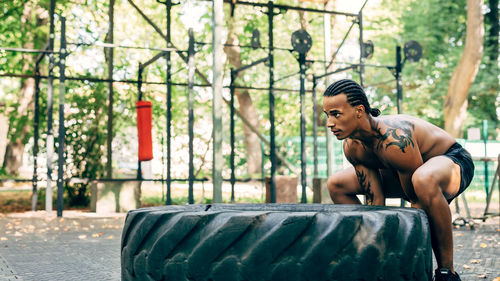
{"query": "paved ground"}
pixel 84 246
pixel 78 246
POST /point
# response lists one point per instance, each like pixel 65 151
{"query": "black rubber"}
pixel 276 242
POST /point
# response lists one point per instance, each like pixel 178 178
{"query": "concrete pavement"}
pixel 86 246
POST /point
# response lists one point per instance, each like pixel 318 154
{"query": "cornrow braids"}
pixel 355 94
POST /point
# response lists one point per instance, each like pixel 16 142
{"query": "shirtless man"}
pixel 397 156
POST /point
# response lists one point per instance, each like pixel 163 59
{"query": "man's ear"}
pixel 360 109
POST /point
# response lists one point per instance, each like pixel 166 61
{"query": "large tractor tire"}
pixel 276 242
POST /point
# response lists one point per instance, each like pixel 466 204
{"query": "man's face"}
pixel 341 116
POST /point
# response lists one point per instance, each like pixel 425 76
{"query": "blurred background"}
pixel 444 53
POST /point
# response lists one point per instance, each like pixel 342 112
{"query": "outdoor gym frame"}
pixel 189 60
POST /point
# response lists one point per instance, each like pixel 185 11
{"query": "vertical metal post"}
pixel 162 166
pixel 60 138
pixel 399 89
pixel 110 51
pixel 270 8
pixel 233 75
pixel 315 129
pixel 139 90
pixel 399 85
pixel 50 111
pixel 233 177
pixel 36 122
pixel 361 50
pixel 217 51
pixel 303 161
pixel 485 140
pixel 191 112
pixel 169 104
pixel 490 192
pixel 330 159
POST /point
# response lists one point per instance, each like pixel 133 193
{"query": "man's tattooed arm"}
pixel 400 130
pixel 365 186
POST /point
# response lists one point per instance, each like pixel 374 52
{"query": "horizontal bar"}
pixel 380 66
pixel 108 45
pixel 153 59
pixel 267 89
pixel 245 67
pixel 90 79
pixel 23 50
pixel 80 180
pixel 94 79
pixel 286 76
pixel 335 71
pixel 246 179
pixel 247 46
pixel 292 8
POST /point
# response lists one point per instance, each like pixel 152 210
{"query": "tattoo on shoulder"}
pixel 400 130
pixel 365 186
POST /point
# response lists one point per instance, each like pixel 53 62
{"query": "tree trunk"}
pixel 4 128
pixel 246 107
pixel 463 76
pixel 13 157
pixel 20 126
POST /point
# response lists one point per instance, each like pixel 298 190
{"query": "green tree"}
pixel 30 34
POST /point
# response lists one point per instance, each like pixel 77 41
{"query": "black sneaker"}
pixel 444 274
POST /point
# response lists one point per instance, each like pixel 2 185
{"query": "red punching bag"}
pixel 144 114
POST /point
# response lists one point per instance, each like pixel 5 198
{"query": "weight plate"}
pixel 255 39
pixel 301 41
pixel 413 51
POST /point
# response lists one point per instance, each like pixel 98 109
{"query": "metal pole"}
pixel 169 105
pixel 231 87
pixel 361 50
pixel 330 157
pixel 191 112
pixel 315 129
pixel 162 166
pixel 62 91
pixel 36 121
pixel 139 90
pixel 490 192
pixel 50 108
pixel 217 8
pixel 110 51
pixel 399 86
pixel 485 140
pixel 303 161
pixel 270 7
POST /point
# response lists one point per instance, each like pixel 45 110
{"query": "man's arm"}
pixel 369 180
pixel 401 152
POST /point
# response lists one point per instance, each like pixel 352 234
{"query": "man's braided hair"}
pixel 355 94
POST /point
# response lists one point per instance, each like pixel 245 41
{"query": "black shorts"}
pixel 462 158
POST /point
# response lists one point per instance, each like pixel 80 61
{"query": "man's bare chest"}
pixel 371 158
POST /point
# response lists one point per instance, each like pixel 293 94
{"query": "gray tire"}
pixel 276 242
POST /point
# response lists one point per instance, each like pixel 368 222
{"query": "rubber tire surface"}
pixel 276 242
